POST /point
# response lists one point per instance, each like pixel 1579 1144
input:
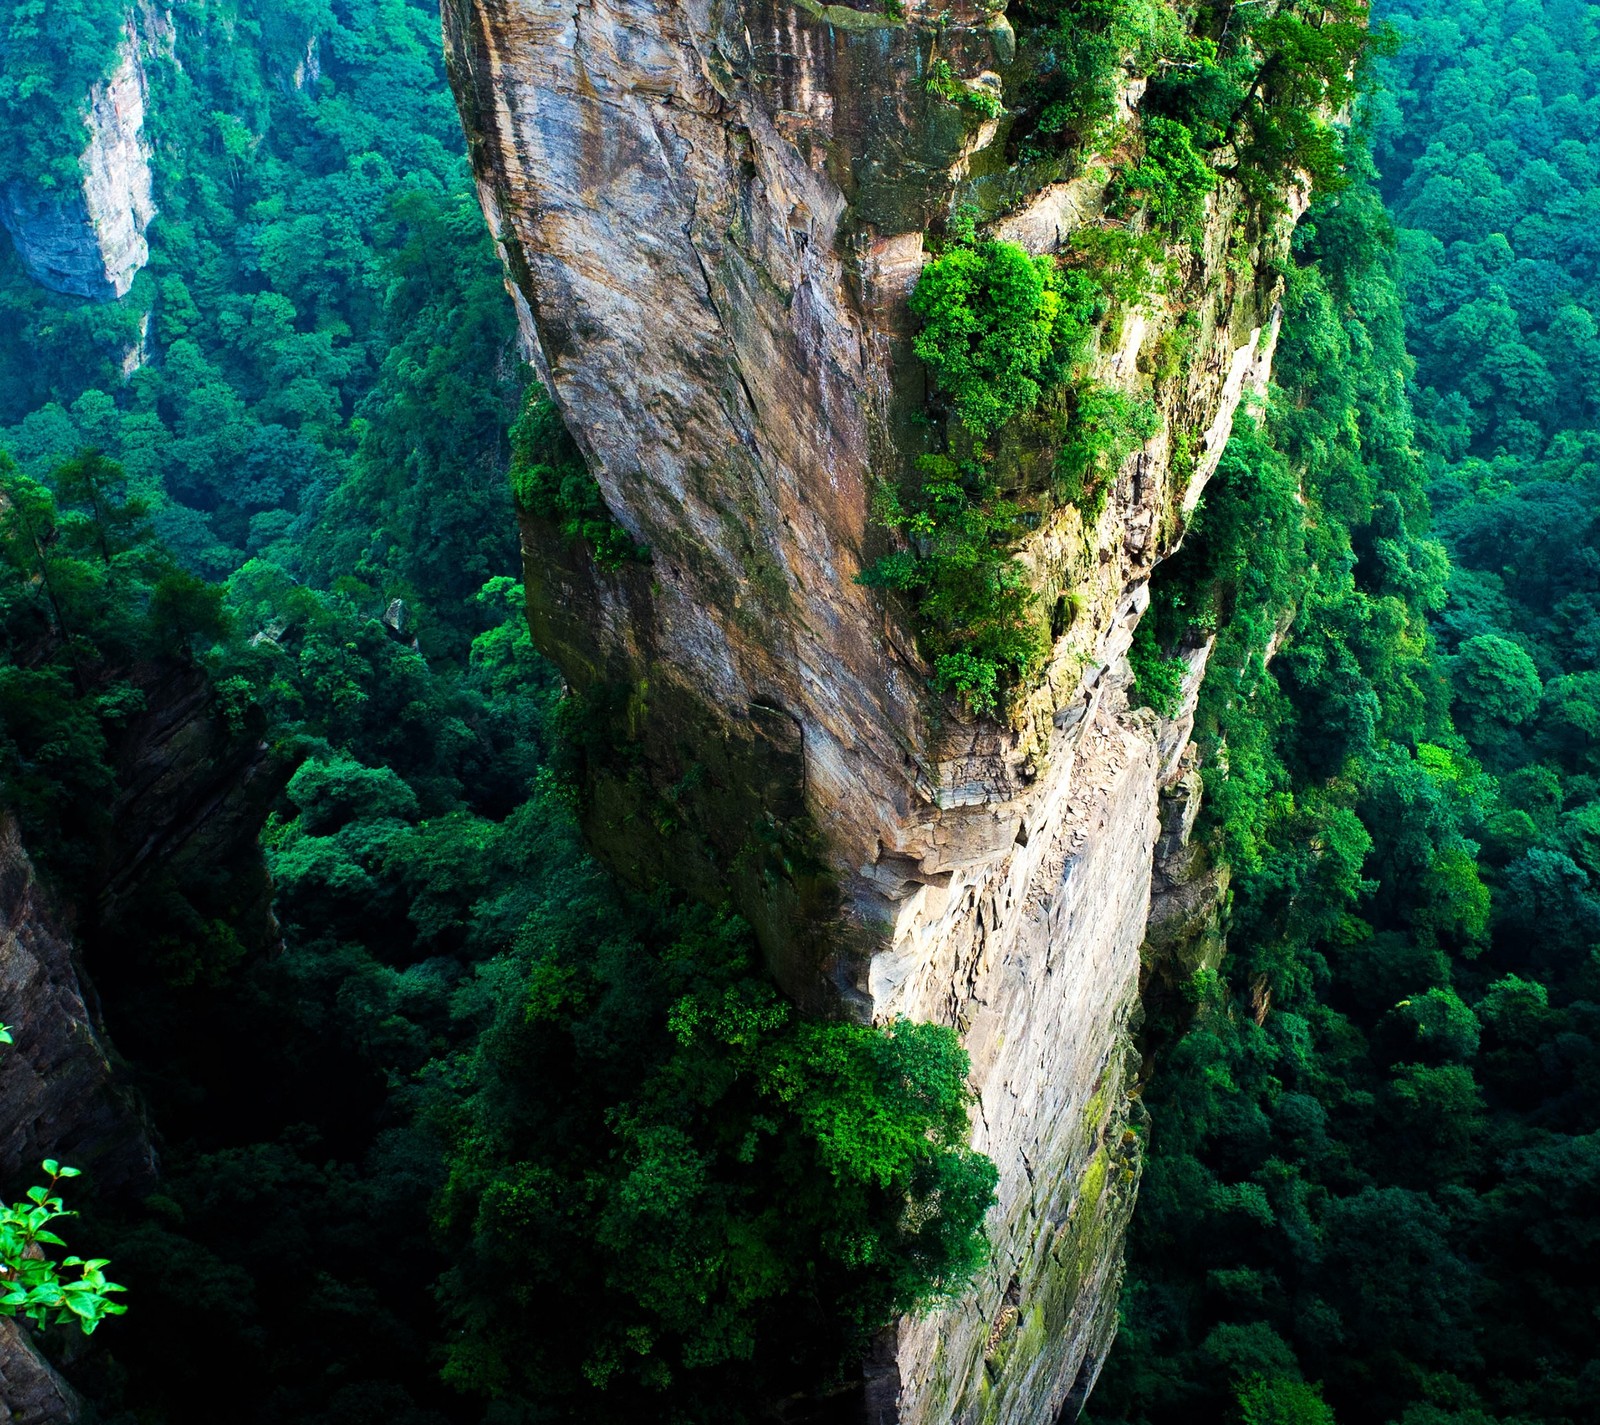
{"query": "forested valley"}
pixel 1374 1169
pixel 492 1137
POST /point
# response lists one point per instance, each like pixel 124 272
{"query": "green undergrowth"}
pixel 550 481
pixel 943 82
pixel 1004 336
pixel 1157 675
pixel 729 1198
pixel 1253 88
pixel 661 1192
pixel 1246 92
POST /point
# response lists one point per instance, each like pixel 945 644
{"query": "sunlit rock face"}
pixel 89 241
pixel 711 217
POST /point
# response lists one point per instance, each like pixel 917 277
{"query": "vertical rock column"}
pixel 711 215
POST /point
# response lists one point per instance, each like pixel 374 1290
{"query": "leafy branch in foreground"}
pixel 31 1283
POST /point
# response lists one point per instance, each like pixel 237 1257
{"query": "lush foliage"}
pixel 1268 81
pixel 550 481
pixel 48 59
pixel 335 371
pixel 1374 1133
pixel 1170 180
pixel 997 326
pixel 85 593
pixel 975 604
pixel 1253 89
pixel 296 512
pixel 31 1282
pixel 678 1192
pixel 1002 333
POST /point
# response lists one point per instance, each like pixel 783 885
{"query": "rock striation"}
pixel 711 215
pixel 90 241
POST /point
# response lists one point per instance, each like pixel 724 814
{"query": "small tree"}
pixel 998 325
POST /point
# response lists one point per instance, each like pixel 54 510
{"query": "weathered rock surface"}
pixel 711 216
pixel 193 788
pixel 59 1096
pixel 30 1389
pixel 90 241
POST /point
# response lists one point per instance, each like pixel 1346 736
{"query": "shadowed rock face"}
pixel 58 1092
pixel 90 241
pixel 192 792
pixel 32 1391
pixel 59 1097
pixel 711 216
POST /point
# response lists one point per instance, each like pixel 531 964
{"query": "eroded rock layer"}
pixel 712 215
pixel 89 241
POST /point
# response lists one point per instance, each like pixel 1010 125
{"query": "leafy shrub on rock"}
pixel 998 327
pixel 550 480
pixel 670 1196
pixel 978 615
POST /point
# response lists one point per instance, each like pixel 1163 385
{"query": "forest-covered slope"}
pixel 489 1139
pixel 458 1075
pixel 1374 1169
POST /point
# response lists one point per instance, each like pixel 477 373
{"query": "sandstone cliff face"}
pixel 711 215
pixel 90 242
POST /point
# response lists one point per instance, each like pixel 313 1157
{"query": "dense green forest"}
pixel 482 1085
pixel 480 1093
pixel 1374 1171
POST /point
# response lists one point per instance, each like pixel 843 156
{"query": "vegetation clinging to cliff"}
pixel 1001 331
pixel 672 1195
pixel 1254 91
pixel 49 56
pixel 998 326
pixel 1378 1133
pixel 550 481
pixel 1269 81
pixel 34 1286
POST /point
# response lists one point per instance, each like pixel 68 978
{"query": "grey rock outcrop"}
pixel 89 241
pixel 30 1389
pixel 711 216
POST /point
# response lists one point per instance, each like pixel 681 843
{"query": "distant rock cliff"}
pixel 192 792
pixel 712 215
pixel 90 241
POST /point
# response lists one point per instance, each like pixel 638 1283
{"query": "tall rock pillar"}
pixel 711 216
